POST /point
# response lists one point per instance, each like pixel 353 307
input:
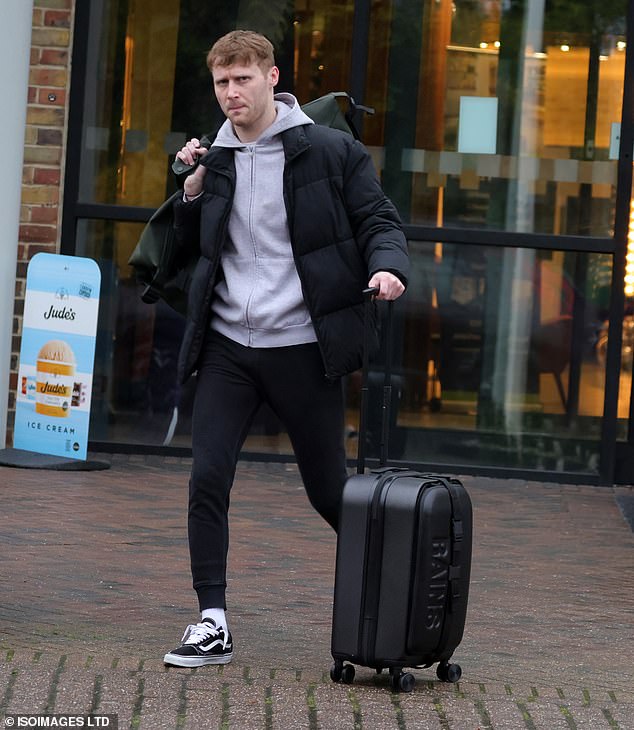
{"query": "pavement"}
pixel 95 587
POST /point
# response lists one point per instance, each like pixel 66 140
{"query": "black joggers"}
pixel 232 383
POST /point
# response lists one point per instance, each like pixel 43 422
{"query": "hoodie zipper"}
pixel 251 152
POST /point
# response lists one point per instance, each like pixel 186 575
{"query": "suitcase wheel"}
pixel 340 672
pixel 448 672
pixel 402 681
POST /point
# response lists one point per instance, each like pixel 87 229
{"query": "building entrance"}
pixel 498 130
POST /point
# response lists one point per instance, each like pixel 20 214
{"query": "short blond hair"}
pixel 241 46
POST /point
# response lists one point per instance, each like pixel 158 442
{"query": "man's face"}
pixel 245 95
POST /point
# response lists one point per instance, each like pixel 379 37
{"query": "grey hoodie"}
pixel 258 300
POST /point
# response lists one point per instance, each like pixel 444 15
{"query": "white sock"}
pixel 217 615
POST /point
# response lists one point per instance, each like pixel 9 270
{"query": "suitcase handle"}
pixel 368 298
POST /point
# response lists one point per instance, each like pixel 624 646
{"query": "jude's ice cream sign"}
pixel 57 355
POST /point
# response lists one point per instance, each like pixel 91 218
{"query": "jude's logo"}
pixel 64 313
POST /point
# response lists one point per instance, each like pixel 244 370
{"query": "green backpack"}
pixel 154 255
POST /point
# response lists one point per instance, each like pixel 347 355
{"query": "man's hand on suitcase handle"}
pixel 387 285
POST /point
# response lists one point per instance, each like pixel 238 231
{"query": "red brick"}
pixel 57 18
pixel 44 213
pixel 46 176
pixel 52 57
pixel 40 248
pixel 32 95
pixel 52 137
pixel 52 97
pixel 38 234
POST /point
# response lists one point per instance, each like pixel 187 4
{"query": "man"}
pixel 291 225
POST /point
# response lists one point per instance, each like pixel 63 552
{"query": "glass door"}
pixel 497 132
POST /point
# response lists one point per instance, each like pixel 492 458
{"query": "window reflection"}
pixel 149 89
pixel 137 397
pixel 555 71
pixel 501 346
pixel 500 352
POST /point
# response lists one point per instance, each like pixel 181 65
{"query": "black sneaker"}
pixel 203 643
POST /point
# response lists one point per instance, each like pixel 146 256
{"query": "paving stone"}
pixel 95 588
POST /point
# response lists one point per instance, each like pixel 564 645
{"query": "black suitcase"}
pixel 403 566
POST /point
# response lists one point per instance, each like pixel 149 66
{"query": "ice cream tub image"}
pixel 28 387
pixel 55 376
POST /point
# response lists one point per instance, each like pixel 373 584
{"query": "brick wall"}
pixel 44 153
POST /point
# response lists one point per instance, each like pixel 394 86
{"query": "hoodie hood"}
pixel 289 114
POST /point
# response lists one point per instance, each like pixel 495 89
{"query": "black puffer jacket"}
pixel 342 227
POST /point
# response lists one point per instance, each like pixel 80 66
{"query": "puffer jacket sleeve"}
pixel 374 218
pixel 187 228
